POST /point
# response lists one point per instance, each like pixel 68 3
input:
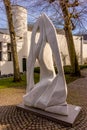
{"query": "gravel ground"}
pixel 13 119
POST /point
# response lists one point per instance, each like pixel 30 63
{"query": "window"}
pixel 9 52
pixel 0 56
pixel 85 37
pixel 9 56
pixel 9 47
pixel 0 51
pixel 0 45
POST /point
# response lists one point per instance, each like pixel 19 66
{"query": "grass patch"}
pixel 36 77
pixel 8 82
pixel 67 70
pixel 83 66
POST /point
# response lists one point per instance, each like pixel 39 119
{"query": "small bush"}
pixel 67 69
pixel 37 70
pixel 83 66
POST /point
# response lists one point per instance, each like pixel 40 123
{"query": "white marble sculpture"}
pixel 50 92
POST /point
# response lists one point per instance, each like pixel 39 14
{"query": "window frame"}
pixel 0 51
pixel 9 52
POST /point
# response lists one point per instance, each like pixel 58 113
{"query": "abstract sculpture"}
pixel 50 92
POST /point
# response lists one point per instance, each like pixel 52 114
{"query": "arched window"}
pixel 0 51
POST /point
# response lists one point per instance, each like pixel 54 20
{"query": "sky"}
pixel 37 7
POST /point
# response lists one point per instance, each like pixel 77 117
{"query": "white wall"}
pixel 19 20
pixel 20 24
pixel 85 52
pixel 6 67
pixel 62 47
pixel 23 49
pixel 23 40
pixel 77 43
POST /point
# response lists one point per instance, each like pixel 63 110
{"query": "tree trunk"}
pixel 69 38
pixel 17 76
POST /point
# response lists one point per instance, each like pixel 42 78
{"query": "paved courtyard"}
pixel 13 119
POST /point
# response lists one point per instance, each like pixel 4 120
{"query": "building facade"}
pixel 20 25
pixel 23 40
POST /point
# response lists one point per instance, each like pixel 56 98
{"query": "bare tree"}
pixel 64 12
pixel 17 76
pixel 64 5
pixel 68 33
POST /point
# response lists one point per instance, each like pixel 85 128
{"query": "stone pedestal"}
pixel 69 120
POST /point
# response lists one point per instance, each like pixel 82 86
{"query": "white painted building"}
pixel 23 36
pixel 20 24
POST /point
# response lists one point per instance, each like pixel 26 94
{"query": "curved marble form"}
pixel 50 92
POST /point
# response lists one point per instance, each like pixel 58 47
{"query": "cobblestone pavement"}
pixel 13 119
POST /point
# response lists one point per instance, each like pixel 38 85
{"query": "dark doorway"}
pixel 24 64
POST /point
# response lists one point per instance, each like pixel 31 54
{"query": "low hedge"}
pixel 67 69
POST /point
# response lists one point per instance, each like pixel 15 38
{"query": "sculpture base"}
pixel 66 120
